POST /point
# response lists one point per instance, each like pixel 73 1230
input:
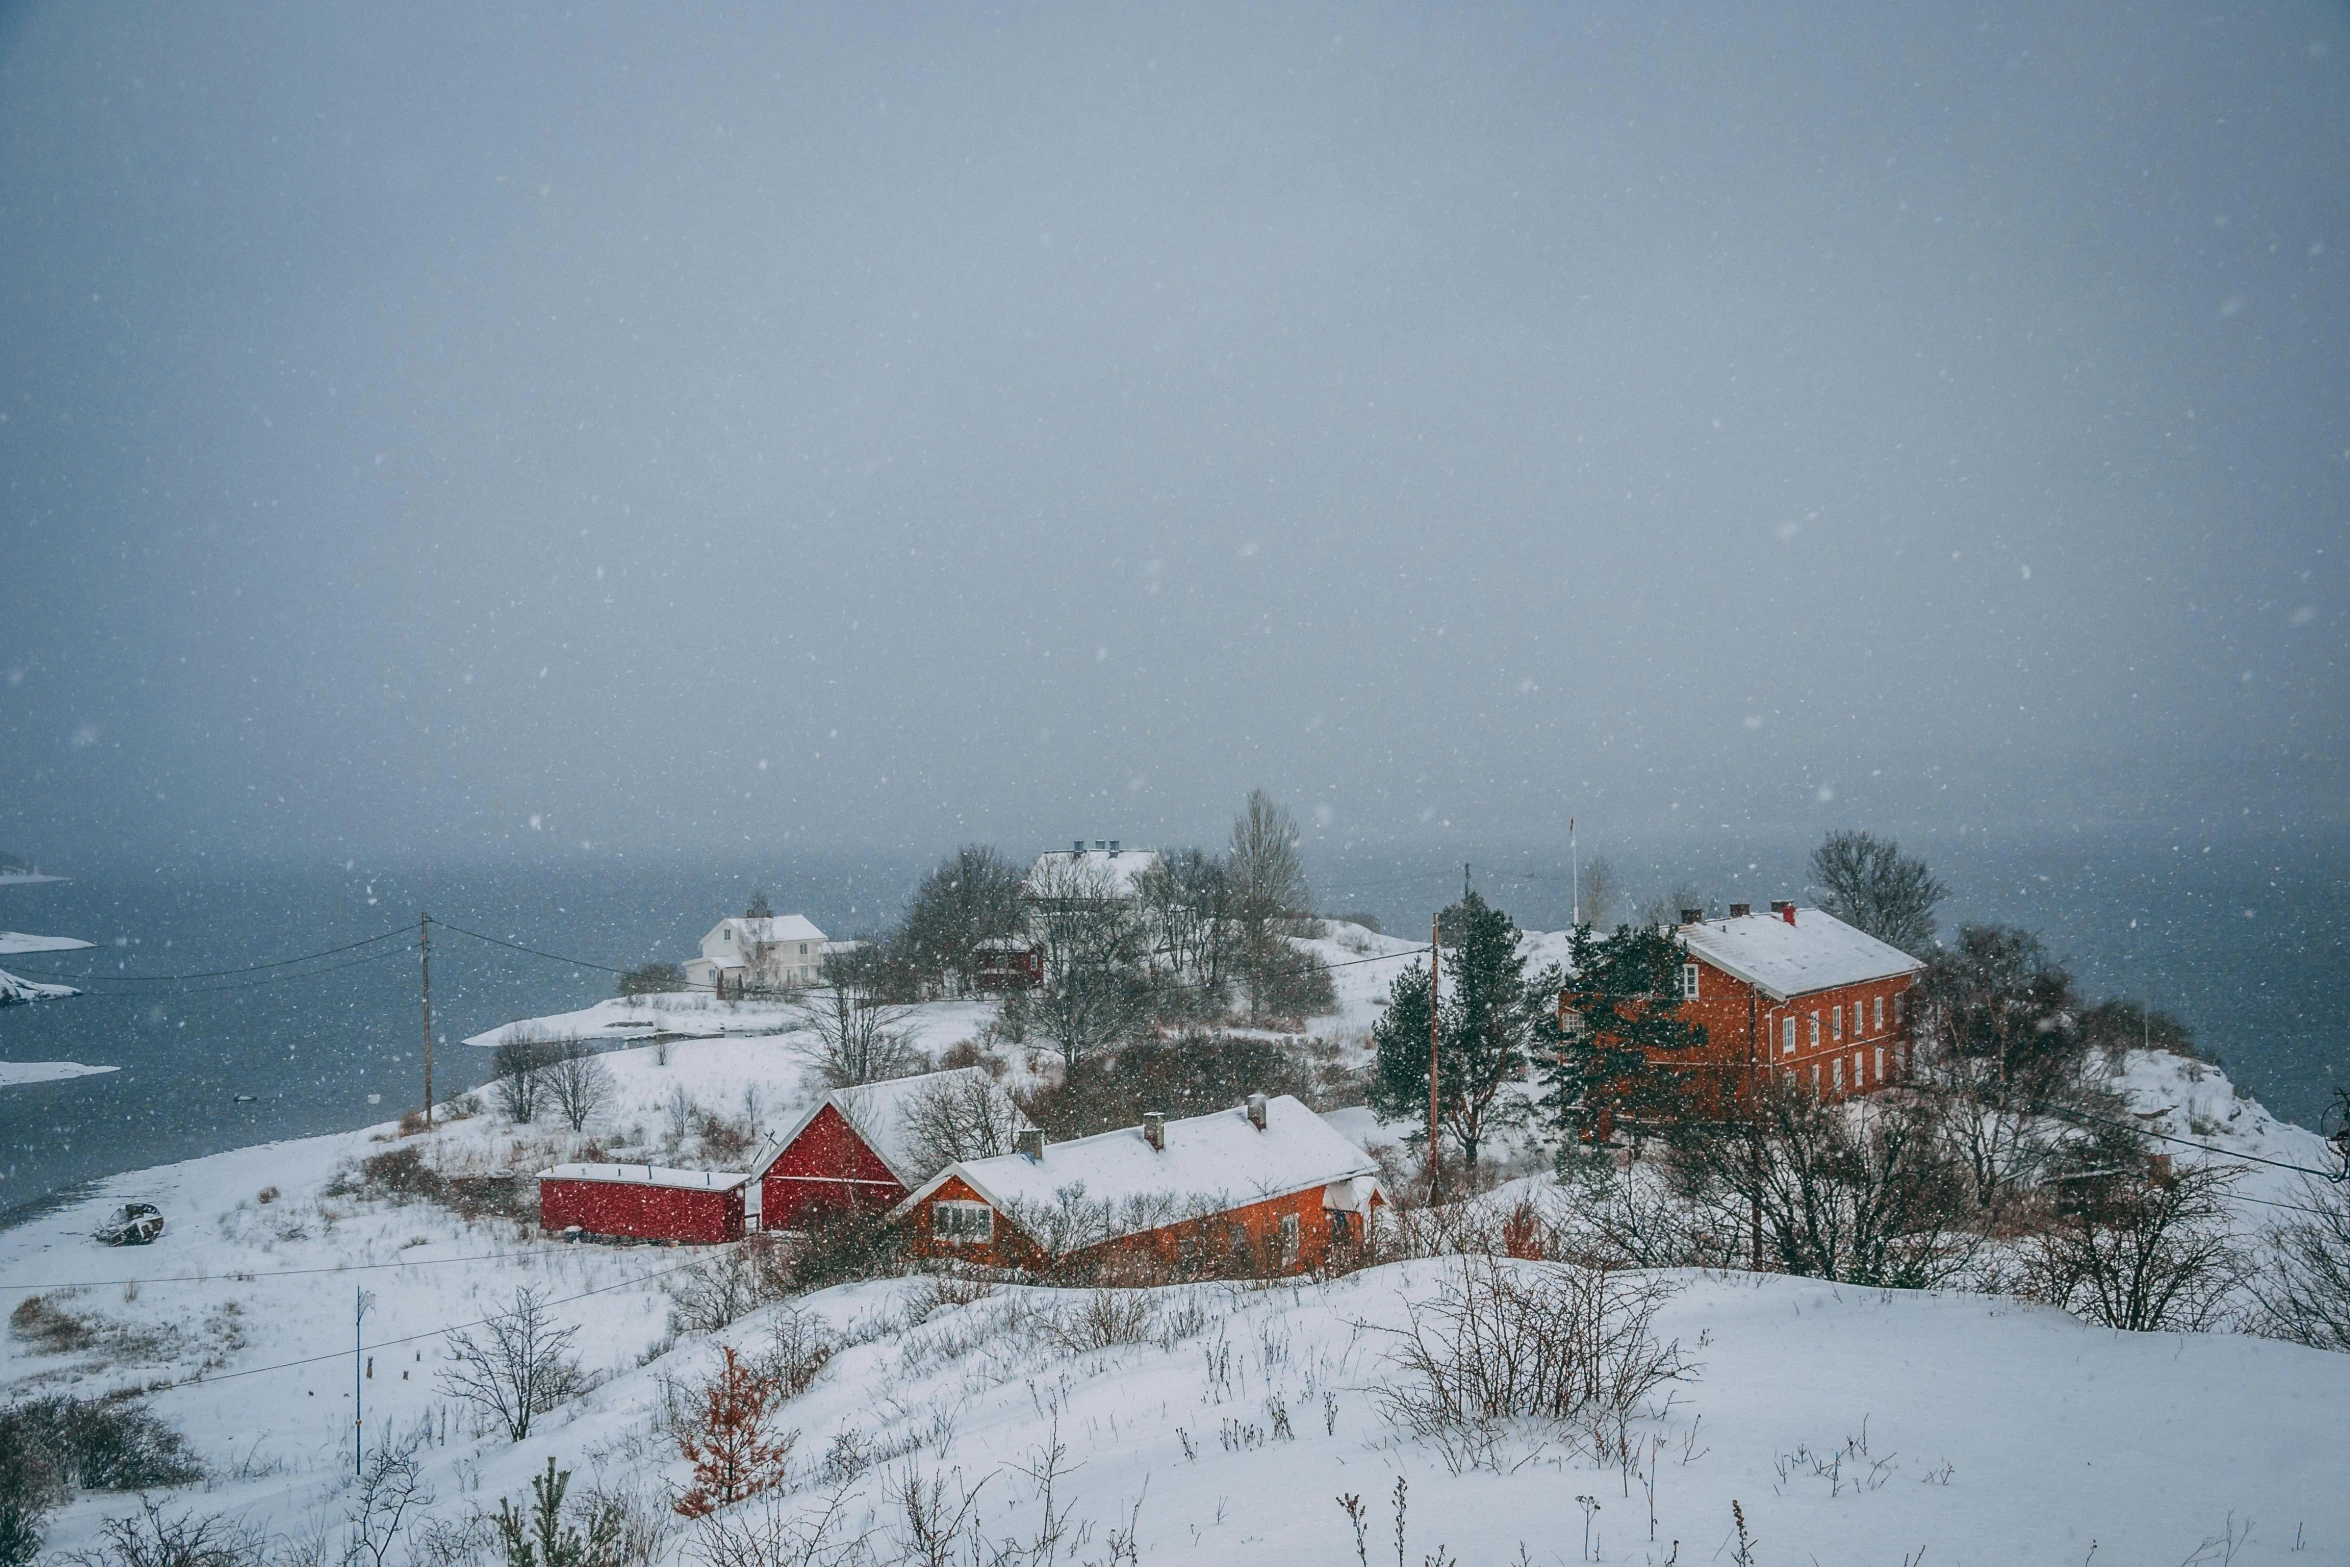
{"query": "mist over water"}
pixel 2237 932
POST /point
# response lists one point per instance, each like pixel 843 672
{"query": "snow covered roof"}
pixel 1211 1163
pixel 1817 952
pixel 648 1175
pixel 878 1112
pixel 774 928
pixel 1115 869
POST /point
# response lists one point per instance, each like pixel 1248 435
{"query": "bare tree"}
pixel 1996 1026
pixel 971 898
pixel 1600 892
pixel 391 1486
pixel 577 1083
pixel 963 1115
pixel 1088 936
pixel 1870 884
pixel 2142 1249
pixel 1861 1191
pixel 519 1064
pixel 1269 900
pixel 2304 1293
pixel 859 1038
pixel 521 1366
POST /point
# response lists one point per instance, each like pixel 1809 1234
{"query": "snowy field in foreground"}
pixel 1994 1431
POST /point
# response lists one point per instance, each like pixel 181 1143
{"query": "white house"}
pixel 780 952
pixel 1080 874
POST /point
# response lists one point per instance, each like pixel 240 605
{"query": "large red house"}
pixel 1798 992
pixel 1264 1187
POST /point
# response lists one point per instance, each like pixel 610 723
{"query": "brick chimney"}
pixel 1154 1130
pixel 1787 912
pixel 1739 911
pixel 1031 1144
pixel 1693 916
pixel 1256 1111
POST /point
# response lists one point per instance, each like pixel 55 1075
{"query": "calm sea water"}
pixel 2241 934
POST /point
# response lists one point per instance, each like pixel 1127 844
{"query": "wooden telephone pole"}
pixel 1435 966
pixel 424 945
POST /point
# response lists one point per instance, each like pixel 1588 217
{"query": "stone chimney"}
pixel 1739 911
pixel 1692 916
pixel 1154 1130
pixel 1256 1111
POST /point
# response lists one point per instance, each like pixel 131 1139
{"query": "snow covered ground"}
pixel 14 1074
pixel 15 990
pixel 12 941
pixel 1849 1425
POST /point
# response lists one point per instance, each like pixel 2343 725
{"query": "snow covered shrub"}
pixel 1506 1341
pixel 521 1366
pixel 100 1444
pixel 2305 1292
pixel 842 1249
pixel 149 1538
pixel 708 1295
pixel 518 1067
pixel 731 1443
pixel 2145 1250
pixel 799 1347
pixel 1104 1318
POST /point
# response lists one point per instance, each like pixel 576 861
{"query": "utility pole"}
pixel 1435 968
pixel 359 1306
pixel 424 945
pixel 1464 881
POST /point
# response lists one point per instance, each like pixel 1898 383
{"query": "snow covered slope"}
pixel 18 941
pixel 15 989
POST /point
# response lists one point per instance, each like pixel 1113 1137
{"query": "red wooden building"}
pixel 1798 992
pixel 1265 1187
pixel 645 1202
pixel 860 1148
pixel 854 1148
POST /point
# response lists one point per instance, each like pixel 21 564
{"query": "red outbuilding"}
pixel 645 1202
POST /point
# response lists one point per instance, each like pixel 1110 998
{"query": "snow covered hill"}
pixel 1849 1425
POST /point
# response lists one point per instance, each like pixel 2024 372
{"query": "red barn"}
pixel 865 1148
pixel 645 1202
pixel 1267 1187
pixel 1800 992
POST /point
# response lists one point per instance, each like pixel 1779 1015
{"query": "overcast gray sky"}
pixel 884 426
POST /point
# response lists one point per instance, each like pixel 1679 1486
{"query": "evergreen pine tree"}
pixel 1616 1054
pixel 1491 1016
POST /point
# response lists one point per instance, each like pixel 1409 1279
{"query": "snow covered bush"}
pixel 521 1366
pixel 2305 1292
pixel 152 1538
pixel 2143 1250
pixel 1558 1345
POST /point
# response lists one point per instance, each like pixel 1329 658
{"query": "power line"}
pixel 2184 1142
pixel 553 957
pixel 241 1275
pixel 448 1327
pixel 242 984
pixel 256 968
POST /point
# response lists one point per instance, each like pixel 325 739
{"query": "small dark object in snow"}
pixel 246 1099
pixel 133 1224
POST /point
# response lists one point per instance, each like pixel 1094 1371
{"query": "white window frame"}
pixel 1836 1022
pixel 1839 1073
pixel 1688 982
pixel 1880 1066
pixel 1787 1036
pixel 1815 1031
pixel 1880 1014
pixel 1289 1239
pixel 962 1234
